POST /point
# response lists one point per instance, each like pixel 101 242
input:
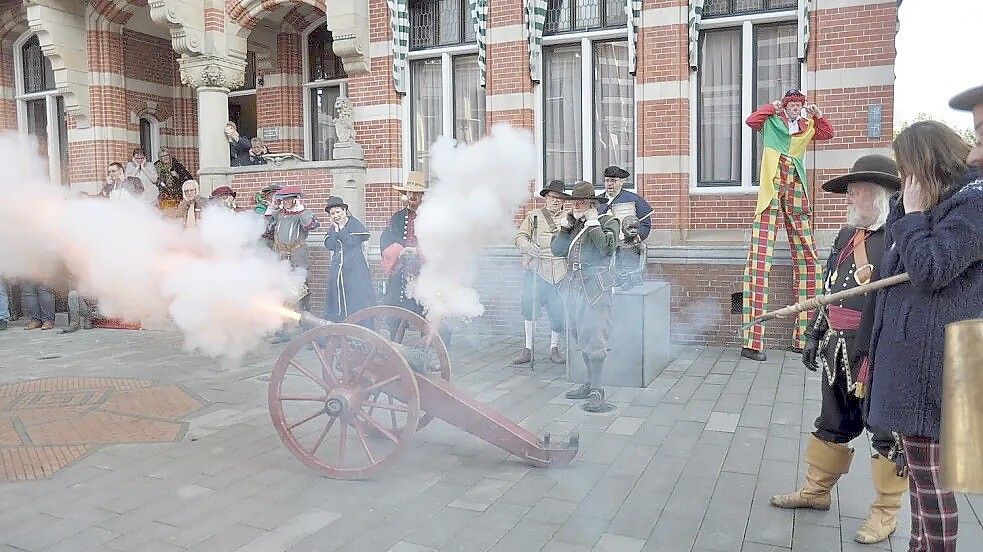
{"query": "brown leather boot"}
pixel 556 357
pixel 32 325
pixel 47 325
pixel 827 462
pixel 524 357
pixel 883 518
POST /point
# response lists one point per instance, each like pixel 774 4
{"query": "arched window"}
pixel 325 83
pixel 149 136
pixel 40 109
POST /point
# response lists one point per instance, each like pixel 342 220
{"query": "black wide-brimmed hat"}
pixel 615 171
pixel 554 186
pixel 584 190
pixel 967 99
pixel 335 201
pixel 271 188
pixel 879 169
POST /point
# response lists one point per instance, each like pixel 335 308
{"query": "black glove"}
pixel 809 353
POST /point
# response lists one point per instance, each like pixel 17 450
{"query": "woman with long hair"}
pixel 934 233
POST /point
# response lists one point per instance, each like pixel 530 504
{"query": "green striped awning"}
pixel 695 15
pixel 535 22
pixel 633 9
pixel 399 18
pixel 479 17
pixel 805 9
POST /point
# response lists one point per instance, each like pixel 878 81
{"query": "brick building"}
pixel 662 92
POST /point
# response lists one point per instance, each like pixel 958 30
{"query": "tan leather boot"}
pixel 827 462
pixel 883 518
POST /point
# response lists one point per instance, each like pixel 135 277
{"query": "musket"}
pixel 535 294
pixel 821 300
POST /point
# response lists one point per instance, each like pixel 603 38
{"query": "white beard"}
pixel 855 218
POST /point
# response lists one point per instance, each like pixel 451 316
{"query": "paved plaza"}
pixel 138 446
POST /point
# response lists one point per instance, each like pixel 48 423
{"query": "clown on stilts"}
pixel 787 127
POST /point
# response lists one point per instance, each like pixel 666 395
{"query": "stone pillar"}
pixel 213 77
pixel 213 147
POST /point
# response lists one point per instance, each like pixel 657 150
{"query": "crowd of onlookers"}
pixel 165 183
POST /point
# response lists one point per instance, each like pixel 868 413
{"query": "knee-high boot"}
pixel 883 517
pixel 827 462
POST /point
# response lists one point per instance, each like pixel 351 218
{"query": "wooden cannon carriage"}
pixel 347 398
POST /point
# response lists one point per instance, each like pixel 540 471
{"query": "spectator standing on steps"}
pixel 139 167
pixel 238 146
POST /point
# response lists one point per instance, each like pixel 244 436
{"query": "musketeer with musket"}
pixel 543 271
pixel 837 341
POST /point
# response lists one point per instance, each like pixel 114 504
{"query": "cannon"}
pixel 347 398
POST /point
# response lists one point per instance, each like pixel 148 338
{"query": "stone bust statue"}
pixel 344 124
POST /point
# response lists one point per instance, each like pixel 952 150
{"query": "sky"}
pixel 939 55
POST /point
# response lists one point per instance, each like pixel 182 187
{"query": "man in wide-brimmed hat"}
pixel 787 128
pixel 398 243
pixel 972 100
pixel 623 203
pixel 543 270
pixel 588 240
pixel 837 340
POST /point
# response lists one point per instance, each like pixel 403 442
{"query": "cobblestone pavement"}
pixel 685 464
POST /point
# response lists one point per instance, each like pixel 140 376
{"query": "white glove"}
pixel 567 222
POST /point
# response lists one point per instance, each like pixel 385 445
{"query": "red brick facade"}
pixel 134 74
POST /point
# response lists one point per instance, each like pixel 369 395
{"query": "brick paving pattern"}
pixel 49 423
pixel 686 464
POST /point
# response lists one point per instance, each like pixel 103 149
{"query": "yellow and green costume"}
pixel 782 199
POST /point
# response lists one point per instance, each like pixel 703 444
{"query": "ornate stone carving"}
pixel 184 38
pixel 61 32
pixel 344 124
pixel 352 54
pixel 213 71
pixel 348 21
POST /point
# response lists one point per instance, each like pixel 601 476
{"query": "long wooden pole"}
pixel 821 300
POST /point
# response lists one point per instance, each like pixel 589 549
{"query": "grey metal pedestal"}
pixel 640 344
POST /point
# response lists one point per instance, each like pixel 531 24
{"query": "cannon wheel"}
pixel 406 320
pixel 344 401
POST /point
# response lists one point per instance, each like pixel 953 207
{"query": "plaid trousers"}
pixel 791 208
pixel 934 517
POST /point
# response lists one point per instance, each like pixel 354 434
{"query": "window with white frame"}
pixel 325 84
pixel 588 94
pixel 743 63
pixel 242 101
pixel 445 97
pixel 40 109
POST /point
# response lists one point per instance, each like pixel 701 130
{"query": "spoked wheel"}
pixel 344 401
pixel 410 330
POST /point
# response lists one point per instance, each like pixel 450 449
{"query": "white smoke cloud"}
pixel 478 188
pixel 215 282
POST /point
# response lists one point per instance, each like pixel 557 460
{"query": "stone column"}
pixel 213 77
pixel 213 147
